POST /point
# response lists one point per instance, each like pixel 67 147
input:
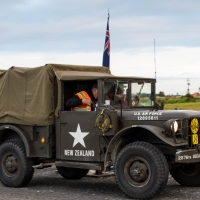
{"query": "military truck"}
pixel 127 132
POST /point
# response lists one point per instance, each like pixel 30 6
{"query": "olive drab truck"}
pixel 127 132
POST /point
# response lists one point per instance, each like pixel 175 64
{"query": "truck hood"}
pixel 163 115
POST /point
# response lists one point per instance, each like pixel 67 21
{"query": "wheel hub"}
pixel 138 171
pixel 11 164
pixel 190 169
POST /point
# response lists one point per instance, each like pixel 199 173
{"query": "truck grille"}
pixel 183 131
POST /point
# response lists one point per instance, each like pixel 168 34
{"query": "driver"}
pixel 111 94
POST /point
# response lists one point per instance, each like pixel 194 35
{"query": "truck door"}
pixel 78 140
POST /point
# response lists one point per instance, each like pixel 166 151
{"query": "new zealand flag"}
pixel 106 53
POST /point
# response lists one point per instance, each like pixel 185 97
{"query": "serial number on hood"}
pixel 147 117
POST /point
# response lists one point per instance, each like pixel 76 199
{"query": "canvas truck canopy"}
pixel 76 75
pixel 27 94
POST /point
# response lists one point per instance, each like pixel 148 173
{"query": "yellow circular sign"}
pixel 194 125
pixel 43 140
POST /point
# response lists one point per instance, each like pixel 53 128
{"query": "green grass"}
pixel 172 100
pixel 183 106
pixel 183 103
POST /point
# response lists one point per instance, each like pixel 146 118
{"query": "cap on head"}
pixel 94 86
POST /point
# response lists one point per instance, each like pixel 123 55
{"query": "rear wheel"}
pixel 15 168
pixel 187 174
pixel 72 173
pixel 141 170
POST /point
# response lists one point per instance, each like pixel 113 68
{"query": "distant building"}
pixel 196 94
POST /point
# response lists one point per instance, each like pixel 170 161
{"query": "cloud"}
pixel 174 65
pixel 36 32
pixel 58 25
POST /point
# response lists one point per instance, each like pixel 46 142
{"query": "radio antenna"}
pixel 155 57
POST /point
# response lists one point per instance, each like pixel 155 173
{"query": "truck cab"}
pixel 80 135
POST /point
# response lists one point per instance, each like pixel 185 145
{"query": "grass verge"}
pixel 183 106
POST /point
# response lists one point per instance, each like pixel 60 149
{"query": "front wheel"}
pixel 15 168
pixel 141 170
pixel 72 173
pixel 187 174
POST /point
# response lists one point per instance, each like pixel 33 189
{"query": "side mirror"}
pixel 118 98
pixel 162 105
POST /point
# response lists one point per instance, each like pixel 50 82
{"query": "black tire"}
pixel 141 170
pixel 187 174
pixel 15 168
pixel 72 173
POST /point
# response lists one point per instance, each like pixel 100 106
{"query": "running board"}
pixel 82 165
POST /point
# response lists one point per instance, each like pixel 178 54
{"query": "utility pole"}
pixel 188 83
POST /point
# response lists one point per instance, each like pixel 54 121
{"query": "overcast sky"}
pixel 35 32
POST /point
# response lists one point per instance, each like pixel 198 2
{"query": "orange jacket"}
pixel 81 95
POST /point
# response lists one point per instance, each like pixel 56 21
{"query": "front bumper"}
pixel 187 156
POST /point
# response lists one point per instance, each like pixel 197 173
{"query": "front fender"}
pixel 135 131
pixel 20 133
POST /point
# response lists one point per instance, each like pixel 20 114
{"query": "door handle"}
pixel 63 122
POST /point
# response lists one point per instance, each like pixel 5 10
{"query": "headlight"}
pixel 175 126
pixel 194 126
pixel 171 125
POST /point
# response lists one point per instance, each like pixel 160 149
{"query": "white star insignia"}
pixel 78 136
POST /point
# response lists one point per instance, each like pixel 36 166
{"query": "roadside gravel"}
pixel 48 184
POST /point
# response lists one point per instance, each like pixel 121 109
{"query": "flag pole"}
pixel 155 58
pixel 106 52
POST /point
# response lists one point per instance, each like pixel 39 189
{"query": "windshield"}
pixel 141 94
pixel 134 94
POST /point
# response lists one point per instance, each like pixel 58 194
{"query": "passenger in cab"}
pixel 83 101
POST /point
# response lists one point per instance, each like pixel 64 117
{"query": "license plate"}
pixel 187 156
pixel 195 139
